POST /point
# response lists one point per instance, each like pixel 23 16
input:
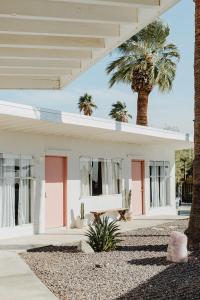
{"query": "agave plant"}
pixel 104 236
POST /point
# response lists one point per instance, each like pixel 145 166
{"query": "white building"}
pixel 51 161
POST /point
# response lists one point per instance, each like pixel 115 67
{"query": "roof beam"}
pixel 23 82
pixel 58 28
pixel 67 11
pixel 46 42
pixel 44 54
pixel 45 72
pixel 72 64
pixel 47 54
pixel 126 3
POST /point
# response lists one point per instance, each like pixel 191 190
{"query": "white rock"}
pixel 177 247
pixel 84 247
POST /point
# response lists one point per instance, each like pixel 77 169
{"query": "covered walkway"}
pixel 63 236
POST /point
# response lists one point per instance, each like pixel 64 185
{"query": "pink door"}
pixel 137 187
pixel 55 177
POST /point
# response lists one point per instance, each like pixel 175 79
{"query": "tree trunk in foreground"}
pixel 193 230
pixel 142 108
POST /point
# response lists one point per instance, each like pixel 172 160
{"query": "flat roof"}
pixel 36 120
pixel 45 44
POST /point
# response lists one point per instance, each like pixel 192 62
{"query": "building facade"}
pixel 51 162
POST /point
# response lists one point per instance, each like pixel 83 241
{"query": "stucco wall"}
pixel 38 146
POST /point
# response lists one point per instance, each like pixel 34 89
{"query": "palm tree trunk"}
pixel 142 108
pixel 193 230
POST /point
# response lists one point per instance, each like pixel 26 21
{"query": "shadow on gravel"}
pixel 150 261
pixel 144 235
pixel 51 248
pixel 149 248
pixel 178 281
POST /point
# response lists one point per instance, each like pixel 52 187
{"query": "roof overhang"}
pixel 45 44
pixel 28 119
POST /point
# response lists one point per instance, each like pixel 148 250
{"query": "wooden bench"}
pixel 98 213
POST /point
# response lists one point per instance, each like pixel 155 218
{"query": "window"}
pixel 15 190
pixel 100 176
pixel 159 183
pixel 96 172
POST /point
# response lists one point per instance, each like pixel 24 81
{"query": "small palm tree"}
pixel 86 105
pixel 119 112
pixel 146 61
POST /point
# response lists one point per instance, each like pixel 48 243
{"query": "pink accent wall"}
pixel 137 187
pixel 54 191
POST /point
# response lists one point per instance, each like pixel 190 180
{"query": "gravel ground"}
pixel 136 270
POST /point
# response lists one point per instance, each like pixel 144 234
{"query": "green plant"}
pixel 146 61
pixel 104 236
pixel 119 112
pixel 86 104
pixel 82 211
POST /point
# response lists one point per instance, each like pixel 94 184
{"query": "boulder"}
pixel 84 247
pixel 177 247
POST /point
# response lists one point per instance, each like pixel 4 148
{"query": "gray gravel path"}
pixel 136 270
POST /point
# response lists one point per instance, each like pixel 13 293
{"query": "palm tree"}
pixel 146 61
pixel 119 112
pixel 193 230
pixel 86 104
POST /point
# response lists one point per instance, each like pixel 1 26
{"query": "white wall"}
pixel 38 146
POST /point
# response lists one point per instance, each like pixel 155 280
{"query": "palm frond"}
pixel 119 112
pixel 147 60
pixel 86 104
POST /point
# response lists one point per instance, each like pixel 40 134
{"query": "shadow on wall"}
pixel 53 115
pixel 48 115
pixel 73 219
pixel 178 281
pixel 118 126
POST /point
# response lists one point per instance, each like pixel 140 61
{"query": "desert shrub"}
pixel 104 236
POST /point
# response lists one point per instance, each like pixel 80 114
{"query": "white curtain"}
pixel 24 202
pixel 154 186
pixel 7 217
pixel 106 177
pixel 24 192
pixel 85 178
pixel 162 186
pixel 110 176
pixel 167 182
pixel 116 177
pixel 159 183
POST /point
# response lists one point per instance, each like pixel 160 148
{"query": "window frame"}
pixel 165 177
pixel 90 160
pixel 20 178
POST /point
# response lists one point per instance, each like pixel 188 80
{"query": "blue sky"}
pixel 174 109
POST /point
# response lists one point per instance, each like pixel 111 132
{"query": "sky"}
pixel 174 110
